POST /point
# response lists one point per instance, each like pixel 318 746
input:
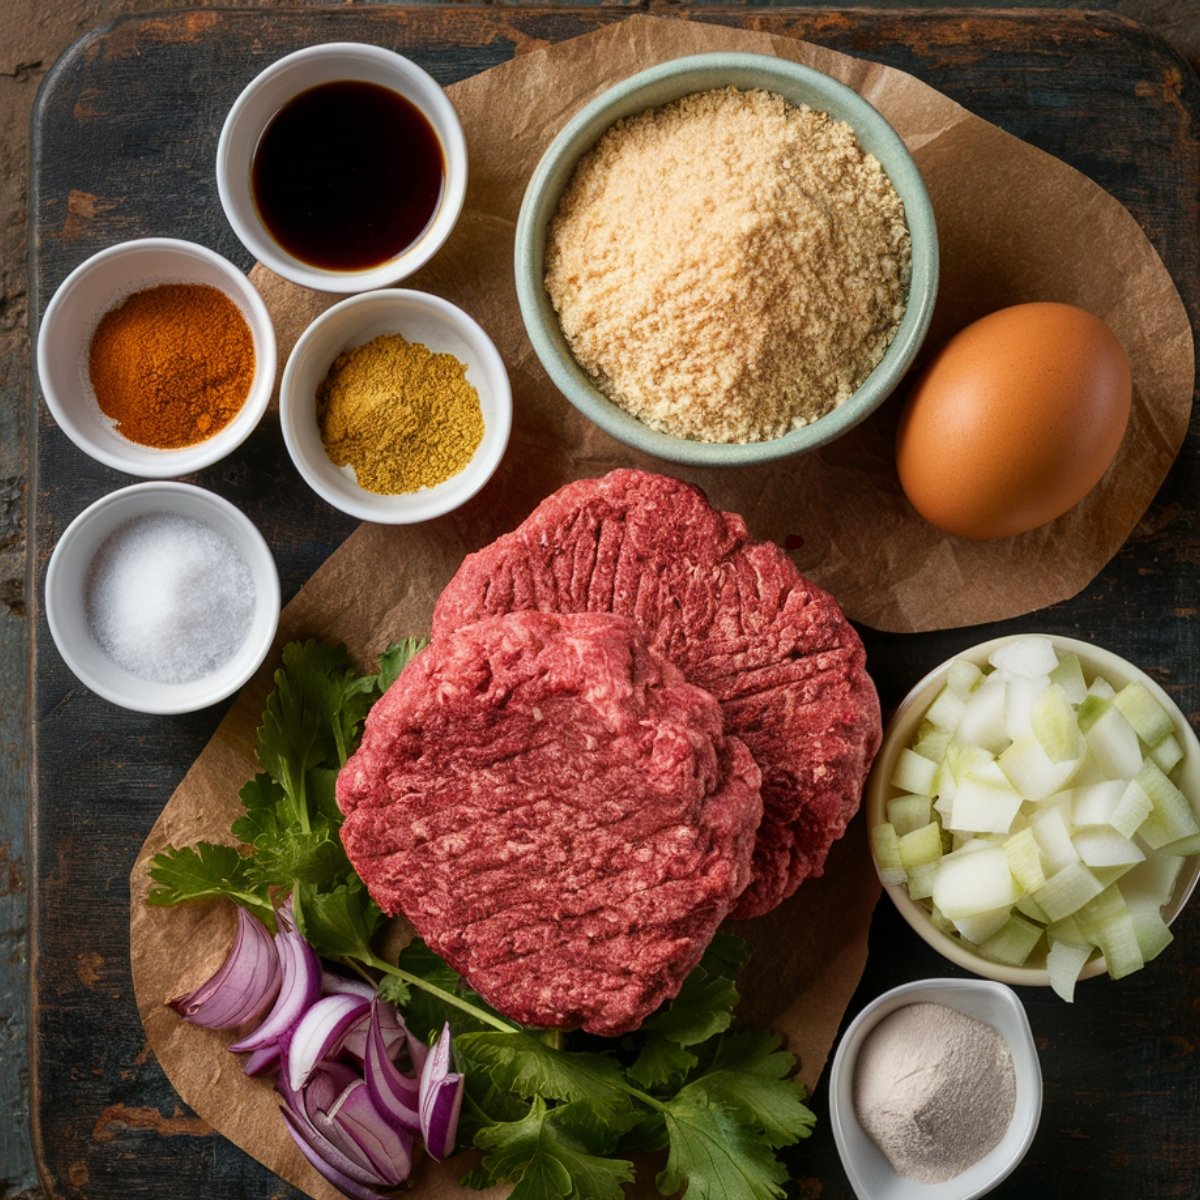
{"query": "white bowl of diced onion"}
pixel 1035 811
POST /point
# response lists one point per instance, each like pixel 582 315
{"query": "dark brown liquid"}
pixel 347 175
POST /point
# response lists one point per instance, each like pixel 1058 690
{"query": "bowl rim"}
pixel 443 119
pixel 878 790
pixel 406 510
pixel 1026 1064
pixel 541 324
pixel 253 652
pixel 181 460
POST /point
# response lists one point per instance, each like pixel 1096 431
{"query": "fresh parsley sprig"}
pixel 557 1115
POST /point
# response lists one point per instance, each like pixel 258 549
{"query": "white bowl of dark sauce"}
pixel 342 167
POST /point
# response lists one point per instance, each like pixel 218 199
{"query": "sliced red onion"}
pixel 440 1099
pixel 318 1034
pixel 394 1033
pixel 393 1093
pixel 324 1162
pixel 332 984
pixel 308 1111
pixel 264 1060
pixel 388 1149
pixel 244 985
pixel 299 989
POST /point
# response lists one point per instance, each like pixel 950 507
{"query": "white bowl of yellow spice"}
pixel 395 406
pixel 156 357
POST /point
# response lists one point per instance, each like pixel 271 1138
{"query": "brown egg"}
pixel 1014 420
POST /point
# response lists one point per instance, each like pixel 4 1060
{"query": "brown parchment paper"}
pixel 1015 225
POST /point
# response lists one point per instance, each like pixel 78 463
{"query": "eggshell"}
pixel 1014 421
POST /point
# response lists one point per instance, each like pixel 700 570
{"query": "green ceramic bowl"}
pixel 660 85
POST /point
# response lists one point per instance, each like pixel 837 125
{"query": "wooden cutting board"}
pixel 124 140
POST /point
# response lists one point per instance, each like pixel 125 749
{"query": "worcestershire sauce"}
pixel 347 175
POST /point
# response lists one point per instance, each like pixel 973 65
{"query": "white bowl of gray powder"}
pixel 162 597
pixel 935 1091
pixel 726 259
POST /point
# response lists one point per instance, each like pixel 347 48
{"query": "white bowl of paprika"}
pixel 395 406
pixel 156 357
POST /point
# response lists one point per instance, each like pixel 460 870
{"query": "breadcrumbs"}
pixel 729 267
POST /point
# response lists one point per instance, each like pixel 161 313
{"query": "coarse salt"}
pixel 169 598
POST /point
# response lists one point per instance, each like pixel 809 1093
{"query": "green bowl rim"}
pixel 541 323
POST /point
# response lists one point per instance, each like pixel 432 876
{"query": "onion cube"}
pixel 983 807
pixel 921 846
pixel 1063 963
pixel 906 813
pixel 1168 754
pixel 963 677
pixel 1032 772
pixel 1027 657
pixel 1055 726
pixel 1067 891
pixel 1068 675
pixel 1054 839
pixel 1025 860
pixel 1013 942
pixel 978 928
pixel 1114 744
pixel 1106 848
pixel 914 773
pixel 1172 817
pixel 1144 713
pixel 973 882
pixel 983 717
pixel 946 710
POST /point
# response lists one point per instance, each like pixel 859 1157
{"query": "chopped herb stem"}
pixel 446 997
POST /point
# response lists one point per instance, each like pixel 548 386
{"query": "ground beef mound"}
pixel 557 812
pixel 735 615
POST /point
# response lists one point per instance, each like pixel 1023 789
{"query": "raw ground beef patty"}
pixel 738 619
pixel 557 812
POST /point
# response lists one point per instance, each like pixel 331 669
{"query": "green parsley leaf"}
pixel 310 858
pixel 261 797
pixel 396 992
pixel 544 1154
pixel 705 1003
pixel 203 872
pixel 714 1156
pixel 395 658
pixel 750 1075
pixel 660 1062
pixel 338 923
pixel 518 1062
pixel 312 718
pixel 702 1009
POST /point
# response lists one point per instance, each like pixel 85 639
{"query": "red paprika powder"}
pixel 172 364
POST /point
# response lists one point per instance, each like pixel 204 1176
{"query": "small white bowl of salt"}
pixel 935 1091
pixel 162 597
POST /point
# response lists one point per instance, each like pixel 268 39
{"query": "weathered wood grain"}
pixel 124 141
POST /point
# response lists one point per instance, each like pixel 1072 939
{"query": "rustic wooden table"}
pixel 125 133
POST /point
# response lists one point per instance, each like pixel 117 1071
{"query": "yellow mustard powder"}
pixel 402 416
pixel 730 266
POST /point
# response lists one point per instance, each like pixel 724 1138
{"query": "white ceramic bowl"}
pixel 65 337
pixel 900 732
pixel 871 1175
pixel 269 91
pixel 418 317
pixel 66 593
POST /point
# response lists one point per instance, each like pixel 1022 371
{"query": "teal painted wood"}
pixel 124 140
